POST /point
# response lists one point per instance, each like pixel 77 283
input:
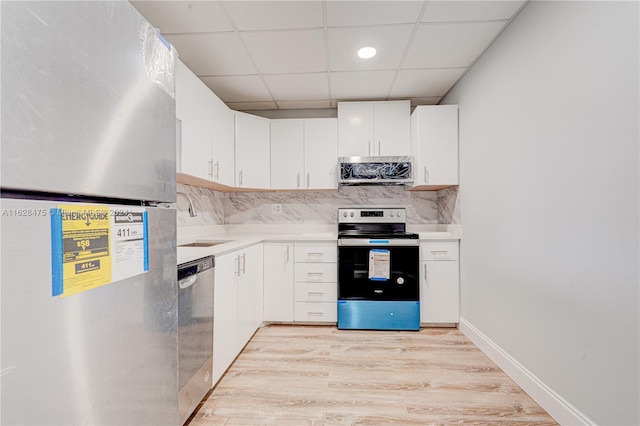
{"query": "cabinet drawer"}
pixel 316 272
pixel 316 311
pixel 439 250
pixel 316 292
pixel 316 253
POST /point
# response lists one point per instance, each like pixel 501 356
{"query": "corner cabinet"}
pixel 374 129
pixel 207 127
pixel 304 154
pixel 278 282
pixel 434 146
pixel 439 283
pixel 252 165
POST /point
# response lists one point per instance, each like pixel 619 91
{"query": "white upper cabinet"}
pixel 374 128
pixel 304 153
pixel 321 153
pixel 222 166
pixel 207 130
pixel 193 100
pixel 434 146
pixel 287 154
pixel 252 151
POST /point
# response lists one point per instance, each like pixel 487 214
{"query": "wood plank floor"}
pixel 319 375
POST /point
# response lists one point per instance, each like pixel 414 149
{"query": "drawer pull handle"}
pixel 315 273
pixel 439 251
pixel 315 254
pixel 315 293
pixel 315 313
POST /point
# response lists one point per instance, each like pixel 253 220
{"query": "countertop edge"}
pixel 241 241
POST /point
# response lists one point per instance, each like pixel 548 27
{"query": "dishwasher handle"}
pixel 188 282
pixel 188 272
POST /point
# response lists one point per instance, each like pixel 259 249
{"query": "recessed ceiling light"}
pixel 367 52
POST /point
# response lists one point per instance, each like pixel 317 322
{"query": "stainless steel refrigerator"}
pixel 88 259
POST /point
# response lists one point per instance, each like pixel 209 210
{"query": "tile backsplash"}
pixel 313 207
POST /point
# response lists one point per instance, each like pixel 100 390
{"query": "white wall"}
pixel 549 189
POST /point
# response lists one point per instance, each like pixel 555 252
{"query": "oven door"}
pixel 378 272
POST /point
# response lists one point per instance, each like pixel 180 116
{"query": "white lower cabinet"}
pixel 300 282
pixel 439 282
pixel 225 314
pixel 316 283
pixel 278 282
pixel 237 311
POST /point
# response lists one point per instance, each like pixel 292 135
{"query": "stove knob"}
pixel 344 214
pixel 399 214
pixel 351 214
pixel 392 214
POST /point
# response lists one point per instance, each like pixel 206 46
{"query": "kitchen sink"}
pixel 203 244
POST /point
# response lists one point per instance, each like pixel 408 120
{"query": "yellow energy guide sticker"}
pixel 86 255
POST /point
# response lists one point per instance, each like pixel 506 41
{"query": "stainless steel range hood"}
pixel 376 170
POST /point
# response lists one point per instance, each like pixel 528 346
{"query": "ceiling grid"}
pixel 274 54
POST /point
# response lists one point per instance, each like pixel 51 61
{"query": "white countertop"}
pixel 230 238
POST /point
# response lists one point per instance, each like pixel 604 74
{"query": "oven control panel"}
pixel 372 215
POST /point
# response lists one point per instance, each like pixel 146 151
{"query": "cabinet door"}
pixel 250 293
pixel 355 129
pixel 194 106
pixel 278 282
pixel 255 272
pixel 392 128
pixel 434 144
pixel 287 143
pixel 252 151
pixel 439 292
pixel 321 153
pixel 222 163
pixel 246 302
pixel 225 314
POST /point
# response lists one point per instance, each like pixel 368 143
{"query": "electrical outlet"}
pixel 276 208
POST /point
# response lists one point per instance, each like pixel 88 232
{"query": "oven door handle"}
pixel 364 242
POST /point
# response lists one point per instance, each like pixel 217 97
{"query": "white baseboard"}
pixel 557 407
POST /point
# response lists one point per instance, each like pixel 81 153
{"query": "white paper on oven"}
pixel 379 264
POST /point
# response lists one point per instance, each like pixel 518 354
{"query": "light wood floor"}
pixel 317 375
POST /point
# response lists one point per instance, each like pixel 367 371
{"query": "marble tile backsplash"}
pixel 449 206
pixel 313 207
pixel 209 206
pixel 321 207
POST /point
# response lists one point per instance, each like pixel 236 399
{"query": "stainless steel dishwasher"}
pixel 195 333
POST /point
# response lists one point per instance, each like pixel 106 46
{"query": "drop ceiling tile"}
pixel 361 84
pixel 251 106
pixel 282 52
pixel 443 11
pixel 389 41
pixel 272 15
pixel 295 87
pixel 244 88
pixel 184 16
pixel 304 104
pixel 425 83
pixel 351 13
pixel 450 45
pixel 213 54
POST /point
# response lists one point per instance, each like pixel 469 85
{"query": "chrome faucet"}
pixel 192 209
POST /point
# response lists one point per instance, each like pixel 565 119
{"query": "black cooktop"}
pixel 353 233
